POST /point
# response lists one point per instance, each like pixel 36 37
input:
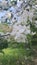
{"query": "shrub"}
pixel 3 44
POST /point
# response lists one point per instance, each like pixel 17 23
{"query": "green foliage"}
pixel 3 43
pixel 14 44
pixel 15 57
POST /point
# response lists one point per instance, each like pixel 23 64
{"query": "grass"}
pixel 14 52
pixel 12 56
pixel 15 56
